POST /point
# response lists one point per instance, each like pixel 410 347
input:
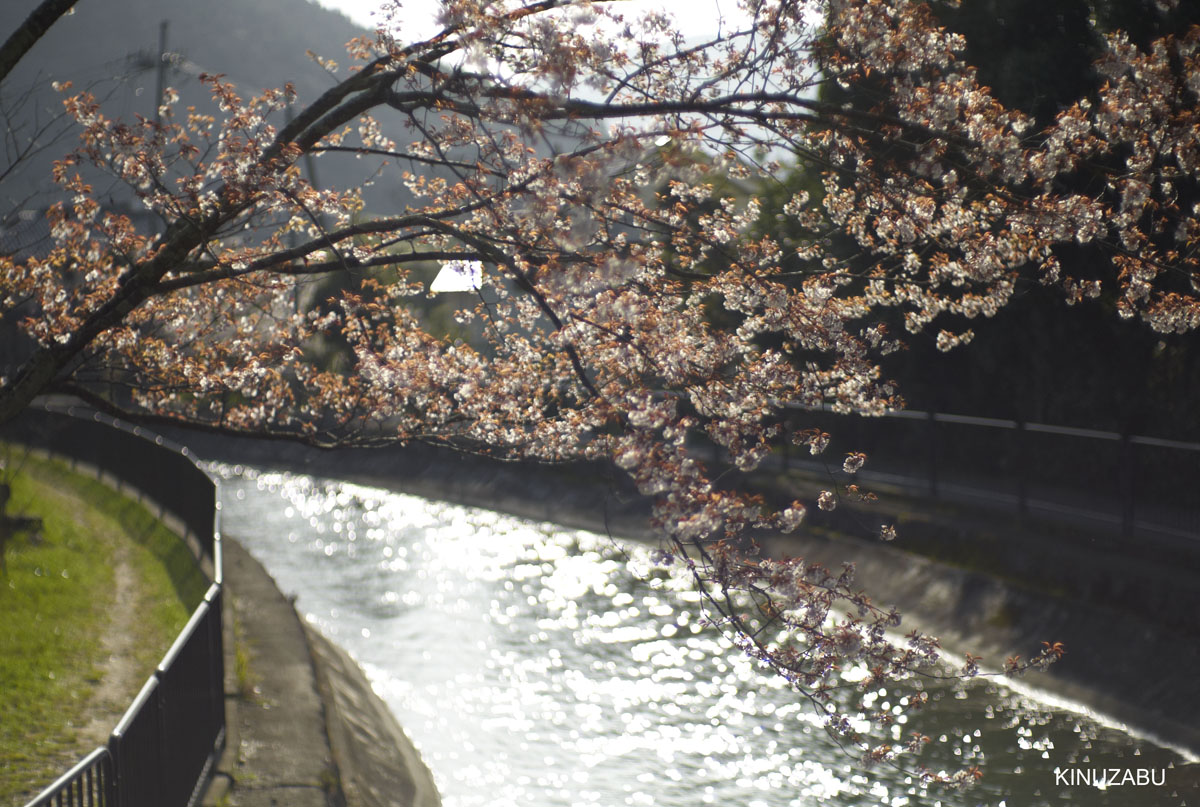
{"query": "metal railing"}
pixel 1129 483
pixel 163 749
pixel 88 784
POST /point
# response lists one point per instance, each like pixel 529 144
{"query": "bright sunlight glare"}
pixel 695 18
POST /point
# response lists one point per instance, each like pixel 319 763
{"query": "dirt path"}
pixel 118 673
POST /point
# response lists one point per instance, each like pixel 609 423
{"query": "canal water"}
pixel 537 666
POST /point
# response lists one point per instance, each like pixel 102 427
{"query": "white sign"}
pixel 458 276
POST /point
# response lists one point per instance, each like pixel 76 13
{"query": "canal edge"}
pixel 305 726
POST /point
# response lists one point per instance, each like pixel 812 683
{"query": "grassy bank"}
pixel 103 567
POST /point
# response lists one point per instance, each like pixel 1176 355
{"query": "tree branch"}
pixel 29 32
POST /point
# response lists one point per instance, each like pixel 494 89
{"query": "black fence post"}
pixel 89 783
pixel 1020 468
pixel 932 442
pixel 1126 476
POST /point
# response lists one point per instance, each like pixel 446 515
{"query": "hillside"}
pixel 112 45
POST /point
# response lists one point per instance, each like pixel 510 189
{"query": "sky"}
pixel 695 17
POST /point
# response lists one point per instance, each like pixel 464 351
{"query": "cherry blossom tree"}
pixel 595 182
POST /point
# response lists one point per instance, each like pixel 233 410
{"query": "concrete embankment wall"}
pixel 377 763
pixel 1126 667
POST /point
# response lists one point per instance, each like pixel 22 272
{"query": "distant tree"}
pixel 576 160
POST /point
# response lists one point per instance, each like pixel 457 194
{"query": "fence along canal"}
pixel 1124 483
pixel 164 748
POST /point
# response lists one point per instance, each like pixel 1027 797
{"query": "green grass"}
pixel 247 679
pixel 56 603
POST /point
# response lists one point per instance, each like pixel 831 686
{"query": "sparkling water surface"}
pixel 539 666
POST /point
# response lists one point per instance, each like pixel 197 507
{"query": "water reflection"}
pixel 539 666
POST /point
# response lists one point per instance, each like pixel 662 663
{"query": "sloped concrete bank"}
pixel 304 726
pixel 1132 655
pixel 1125 667
pixel 377 764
